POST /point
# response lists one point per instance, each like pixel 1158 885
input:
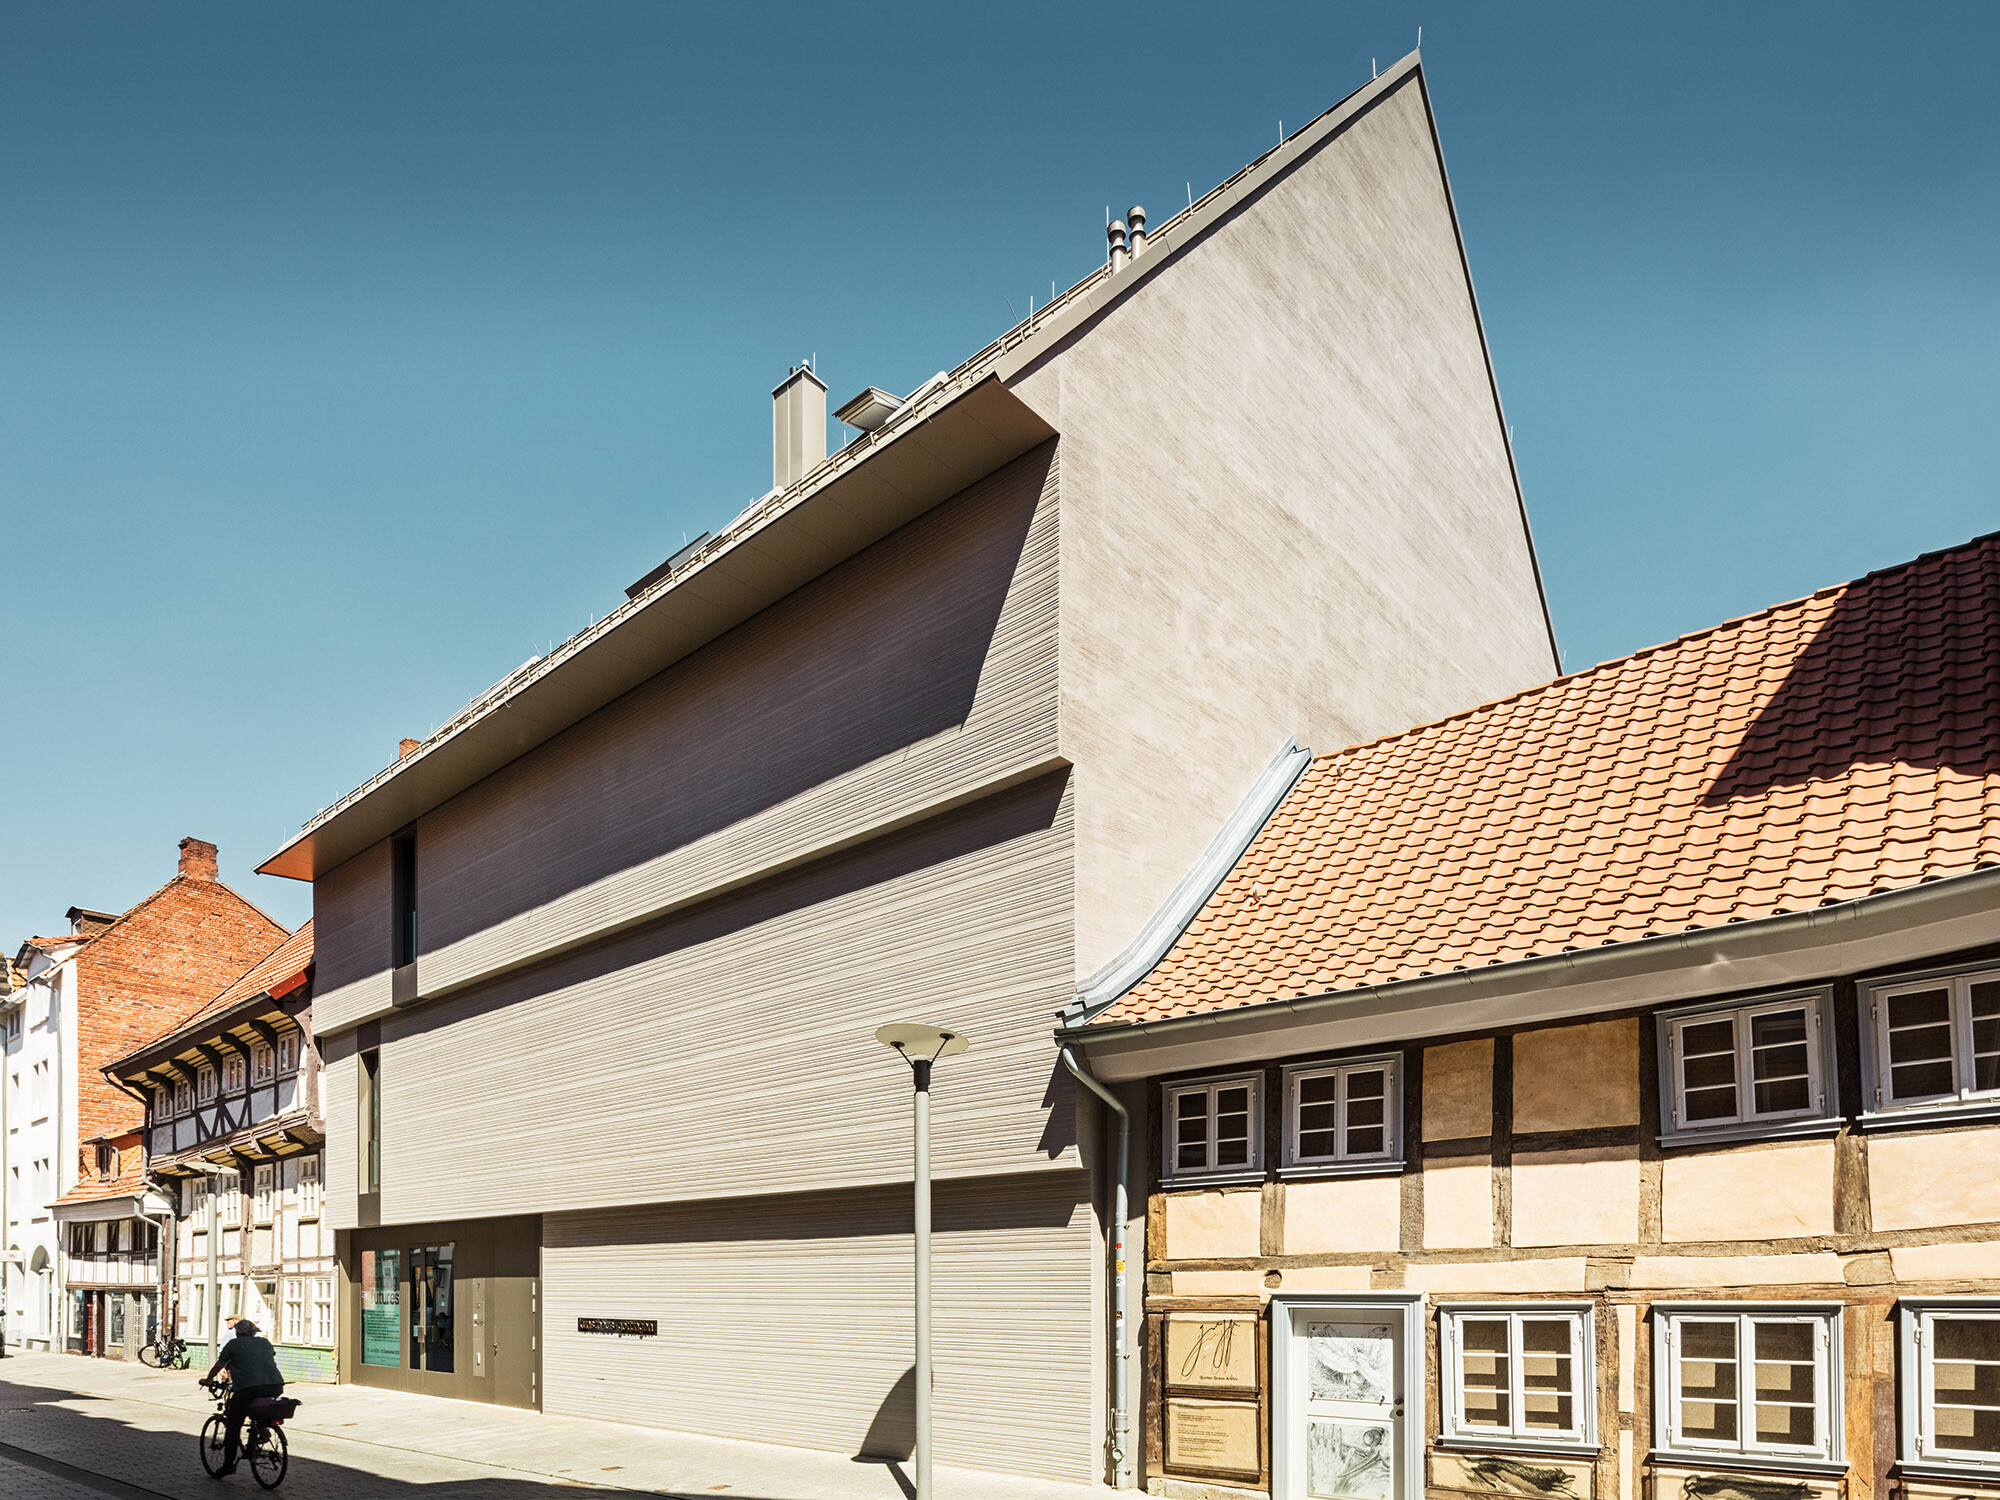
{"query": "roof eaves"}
pixel 1903 904
pixel 1184 903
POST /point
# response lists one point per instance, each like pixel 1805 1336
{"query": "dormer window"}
pixel 107 1161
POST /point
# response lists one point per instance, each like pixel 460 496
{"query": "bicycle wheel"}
pixel 269 1457
pixel 214 1432
pixel 149 1356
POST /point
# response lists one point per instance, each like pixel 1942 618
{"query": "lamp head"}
pixel 921 1043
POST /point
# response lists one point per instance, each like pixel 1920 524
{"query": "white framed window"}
pixel 1215 1127
pixel 1949 1383
pixel 288 1052
pixel 232 1076
pixel 264 1187
pixel 260 1064
pixel 1752 1380
pixel 309 1187
pixel 1520 1375
pixel 322 1311
pixel 1743 1068
pixel 1344 1114
pixel 1934 1040
pixel 205 1085
pixel 183 1096
pixel 295 1312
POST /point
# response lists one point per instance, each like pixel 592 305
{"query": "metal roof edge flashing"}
pixel 1616 960
pixel 1184 903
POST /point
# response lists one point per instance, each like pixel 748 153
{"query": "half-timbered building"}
pixel 1595 1094
pixel 233 1132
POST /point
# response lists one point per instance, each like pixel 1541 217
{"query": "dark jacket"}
pixel 251 1361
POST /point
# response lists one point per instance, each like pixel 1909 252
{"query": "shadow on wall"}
pixel 892 1436
pixel 1905 670
pixel 885 651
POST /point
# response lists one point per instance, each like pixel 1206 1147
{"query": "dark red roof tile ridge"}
pixel 1767 612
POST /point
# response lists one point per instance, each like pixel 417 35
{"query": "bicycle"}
pixel 165 1353
pixel 264 1445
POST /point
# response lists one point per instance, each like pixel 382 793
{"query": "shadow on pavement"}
pixel 42 1428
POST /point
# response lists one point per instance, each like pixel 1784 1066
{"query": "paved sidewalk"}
pixel 82 1429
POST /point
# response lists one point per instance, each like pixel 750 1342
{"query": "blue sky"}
pixel 354 352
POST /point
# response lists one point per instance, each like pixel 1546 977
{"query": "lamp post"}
pixel 920 1046
pixel 214 1318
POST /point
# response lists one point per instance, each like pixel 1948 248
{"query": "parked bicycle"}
pixel 165 1353
pixel 264 1446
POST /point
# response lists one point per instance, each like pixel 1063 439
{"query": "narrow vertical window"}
pixel 404 898
pixel 371 1122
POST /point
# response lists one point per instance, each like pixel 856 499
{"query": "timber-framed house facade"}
pixel 1596 1094
pixel 233 1132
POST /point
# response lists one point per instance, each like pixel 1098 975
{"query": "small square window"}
pixel 1347 1113
pixel 1934 1041
pixel 1520 1375
pixel 1751 1381
pixel 1214 1127
pixel 1950 1383
pixel 1739 1069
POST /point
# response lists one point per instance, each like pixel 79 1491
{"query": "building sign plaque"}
pixel 1211 1351
pixel 1213 1435
pixel 624 1328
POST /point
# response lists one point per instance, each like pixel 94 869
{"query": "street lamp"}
pixel 920 1046
pixel 214 1318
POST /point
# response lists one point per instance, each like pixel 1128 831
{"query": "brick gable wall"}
pixel 169 955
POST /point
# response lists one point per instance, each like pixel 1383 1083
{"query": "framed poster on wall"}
pixel 382 1308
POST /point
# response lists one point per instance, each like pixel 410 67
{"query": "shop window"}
pixel 432 1329
pixel 1934 1042
pixel 1345 1115
pixel 1742 1069
pixel 1758 1382
pixel 1950 1383
pixel 1214 1127
pixel 1519 1376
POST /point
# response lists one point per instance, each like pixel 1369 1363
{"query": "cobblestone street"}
pixel 82 1429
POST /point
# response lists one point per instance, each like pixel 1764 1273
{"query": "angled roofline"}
pixel 534 708
pixel 1184 903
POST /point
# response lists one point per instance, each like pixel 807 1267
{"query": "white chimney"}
pixel 1135 217
pixel 798 426
pixel 1115 233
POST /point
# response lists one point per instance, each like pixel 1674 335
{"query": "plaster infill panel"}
pixel 1577 1077
pixel 1214 1225
pixel 1922 1179
pixel 1458 1090
pixel 1343 1214
pixel 1588 1196
pixel 1778 1193
pixel 1458 1203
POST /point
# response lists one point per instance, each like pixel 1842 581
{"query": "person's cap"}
pixel 244 1327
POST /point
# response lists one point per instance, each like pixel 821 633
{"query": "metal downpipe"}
pixel 1123 1465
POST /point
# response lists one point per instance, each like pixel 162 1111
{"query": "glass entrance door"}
pixel 432 1335
pixel 1344 1429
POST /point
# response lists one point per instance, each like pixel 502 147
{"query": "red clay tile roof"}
pixel 272 974
pixel 130 1181
pixel 1822 750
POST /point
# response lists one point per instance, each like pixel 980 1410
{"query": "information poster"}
pixel 382 1308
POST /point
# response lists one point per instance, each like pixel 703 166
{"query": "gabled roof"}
pixel 953 430
pixel 1821 751
pixel 277 974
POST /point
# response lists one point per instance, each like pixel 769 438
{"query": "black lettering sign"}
pixel 637 1328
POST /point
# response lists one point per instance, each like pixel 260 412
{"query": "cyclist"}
pixel 253 1372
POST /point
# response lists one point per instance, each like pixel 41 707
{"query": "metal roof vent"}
pixel 870 409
